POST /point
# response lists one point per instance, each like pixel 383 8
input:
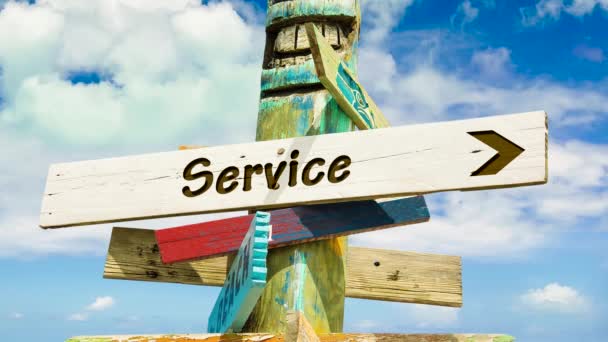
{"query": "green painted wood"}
pixel 342 84
pixel 287 77
pixel 280 12
pixel 309 278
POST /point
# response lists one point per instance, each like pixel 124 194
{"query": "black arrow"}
pixel 507 151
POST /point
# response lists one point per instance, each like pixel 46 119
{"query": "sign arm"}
pixel 341 83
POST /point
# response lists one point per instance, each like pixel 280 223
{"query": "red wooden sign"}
pixel 290 226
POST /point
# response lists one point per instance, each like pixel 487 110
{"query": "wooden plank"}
pixel 290 226
pixel 261 337
pixel 389 162
pixel 404 277
pixel 342 83
pixel 370 273
pixel 298 328
pixel 245 280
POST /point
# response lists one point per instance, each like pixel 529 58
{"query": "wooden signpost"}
pixel 290 226
pixel 296 293
pixel 370 273
pixel 490 152
pixel 245 281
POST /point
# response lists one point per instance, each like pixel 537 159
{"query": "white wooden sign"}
pixel 490 152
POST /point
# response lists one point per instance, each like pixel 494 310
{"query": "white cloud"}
pixel 493 64
pixel 480 224
pixel 383 16
pixel 543 9
pixel 468 11
pixel 465 13
pixel 493 89
pixel 579 174
pixel 583 7
pixel 101 303
pixel 546 10
pixel 169 83
pixel 81 317
pixel 163 68
pixel 29 39
pixel 249 10
pixel 555 298
pixel 23 167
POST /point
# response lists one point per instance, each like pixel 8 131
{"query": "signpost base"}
pixel 307 278
pixel 281 338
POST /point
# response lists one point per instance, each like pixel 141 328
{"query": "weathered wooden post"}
pixel 307 277
pixel 306 284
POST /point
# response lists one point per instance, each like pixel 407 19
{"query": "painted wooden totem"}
pixel 308 278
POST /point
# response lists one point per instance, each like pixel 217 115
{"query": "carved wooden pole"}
pixel 308 278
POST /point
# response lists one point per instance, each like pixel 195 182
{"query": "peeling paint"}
pixel 300 280
pixel 287 10
pixel 287 282
pixel 289 76
pixel 290 116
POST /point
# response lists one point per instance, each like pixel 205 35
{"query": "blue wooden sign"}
pixel 245 281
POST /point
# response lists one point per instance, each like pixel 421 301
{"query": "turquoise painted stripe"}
pixel 289 76
pixel 299 8
pixel 245 281
pixel 301 268
pixel 354 95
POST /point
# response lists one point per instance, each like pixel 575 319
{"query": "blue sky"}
pixel 90 79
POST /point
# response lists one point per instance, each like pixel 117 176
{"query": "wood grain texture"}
pixel 293 38
pixel 280 13
pixel 300 115
pixel 293 76
pixel 298 328
pixel 245 280
pixel 308 278
pixel 389 162
pixel 290 226
pixel 370 273
pixel 281 338
pixel 342 83
pixel 404 277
